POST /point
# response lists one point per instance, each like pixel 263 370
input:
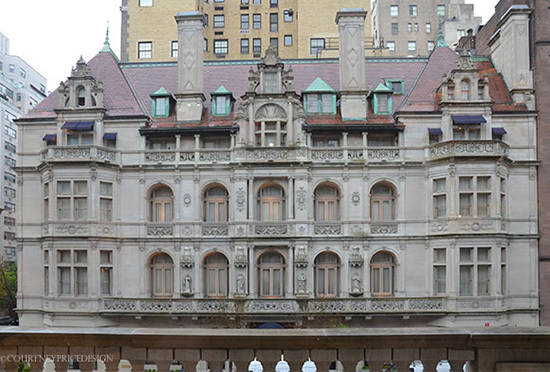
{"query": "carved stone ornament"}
pixel 301 198
pixel 465 61
pixel 187 200
pixel 271 111
pixel 355 198
pixel 240 199
pixel 187 259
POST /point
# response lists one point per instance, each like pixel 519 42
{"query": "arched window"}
pixel 215 204
pixel 326 203
pixel 271 273
pixel 161 205
pixel 382 203
pixel 326 275
pixel 465 90
pixel 162 275
pixel 81 96
pixel 216 275
pixel 271 203
pixel 382 274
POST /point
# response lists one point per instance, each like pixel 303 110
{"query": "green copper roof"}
pixel 220 91
pixel 381 88
pixel 160 93
pixel 106 45
pixel 440 37
pixel 319 85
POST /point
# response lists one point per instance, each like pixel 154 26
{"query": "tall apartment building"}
pixel 21 89
pixel 309 193
pixel 236 29
pixel 411 27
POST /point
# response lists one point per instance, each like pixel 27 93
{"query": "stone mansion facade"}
pixel 311 193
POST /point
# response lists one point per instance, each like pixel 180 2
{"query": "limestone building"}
pixel 236 29
pixel 310 193
pixel 410 28
pixel 21 89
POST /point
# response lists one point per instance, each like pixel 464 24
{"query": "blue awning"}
pixel 78 125
pixel 468 119
pixel 271 326
pixel 50 137
pixel 435 131
pixel 500 131
pixel 109 136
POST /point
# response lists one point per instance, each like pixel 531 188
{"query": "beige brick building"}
pixel 237 29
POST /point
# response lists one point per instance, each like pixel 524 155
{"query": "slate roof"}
pixel 128 87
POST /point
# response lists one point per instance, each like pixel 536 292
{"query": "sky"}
pixel 52 35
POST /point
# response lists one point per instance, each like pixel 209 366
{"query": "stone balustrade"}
pixel 487 148
pixel 79 153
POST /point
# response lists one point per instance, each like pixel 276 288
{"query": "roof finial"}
pixel 440 37
pixel 106 46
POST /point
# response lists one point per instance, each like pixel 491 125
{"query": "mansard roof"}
pixel 128 86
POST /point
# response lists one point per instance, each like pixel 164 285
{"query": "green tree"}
pixel 8 289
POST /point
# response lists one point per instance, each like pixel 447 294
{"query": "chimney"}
pixel 353 91
pixel 190 97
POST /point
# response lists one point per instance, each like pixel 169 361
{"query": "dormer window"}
pixel 79 133
pixel 465 90
pixel 396 85
pixel 221 102
pixel 320 98
pixel 467 127
pixel 271 82
pixel 161 103
pixel 382 100
pixel 81 96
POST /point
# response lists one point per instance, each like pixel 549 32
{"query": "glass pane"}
pixel 222 213
pixel 386 279
pixel 277 282
pixel 312 103
pixel 465 280
pixel 331 281
pixel 168 212
pixel 320 211
pixel 483 280
pixel 105 281
pixel 276 211
pixel 465 204
pixel 65 280
pixel 105 189
pixel 64 206
pixel 222 273
pixel 321 281
pixel 87 139
pixel 327 103
pixel 168 280
pixel 211 281
pixel 64 187
pixel 72 139
pixel 265 283
pixel 483 254
pixel 82 281
pixel 466 254
pixel 81 208
pixel 440 273
pixel 465 183
pixel 331 211
pixel 386 212
pixel 376 210
pixel 211 212
pixel 158 281
pixel 265 215
pixel 483 204
pixel 376 280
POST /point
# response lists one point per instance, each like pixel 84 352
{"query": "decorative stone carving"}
pixel 355 154
pixel 440 227
pixel 119 305
pixel 184 306
pixel 326 306
pixel 160 230
pixel 241 259
pixel 426 304
pixel 270 111
pixel 384 228
pixel 214 156
pixel 301 198
pixel 240 283
pixel 355 198
pixel 187 259
pixel 476 226
pixel 155 305
pixel 240 199
pixel 186 286
pixel 187 230
pixel 300 256
pixel 474 305
pixel 187 156
pixel 187 199
pixel 72 229
pixel 358 305
pixel 383 154
pixel 327 229
pixel 328 154
pixel 356 287
pixel 387 305
pixel 160 157
pixel 301 286
pixel 271 306
pixel 214 306
pixel 218 230
pixel 270 230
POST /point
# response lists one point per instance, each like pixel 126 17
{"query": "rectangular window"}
pixel 413 10
pixel 221 46
pixel 46 201
pixel 288 16
pixel 503 271
pixel 22 72
pixel 475 271
pixel 205 48
pixel 391 46
pixel 431 46
pixel 319 103
pixel 11 68
pixel 219 20
pixel 105 201
pixel 145 50
pixel 72 200
pixel 409 27
pixel 383 103
pixel 9 177
pixel 72 267
pixel 411 46
pixel 394 28
pixel 10 162
pixel 440 197
pixel 416 27
pixel 10 222
pixel 441 10
pixel 503 197
pixel 257 46
pixel 9 130
pixel 145 2
pixel 474 196
pixel 9 207
pixel 10 147
pixel 394 10
pixel 206 20
pixel 174 49
pixel 316 45
pixel 440 271
pixel 245 46
pixel 257 20
pixel 288 40
pixel 245 21
pixel 9 192
pixel 460 33
pixel 274 22
pixel 274 43
pixel 256 2
pixel 106 272
pixel 428 28
pixel 273 3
